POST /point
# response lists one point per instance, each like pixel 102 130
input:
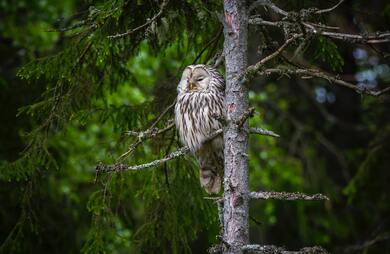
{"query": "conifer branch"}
pixel 150 132
pixel 148 22
pixel 286 196
pixel 144 135
pixel 119 167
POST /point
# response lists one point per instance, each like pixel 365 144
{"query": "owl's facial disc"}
pixel 198 80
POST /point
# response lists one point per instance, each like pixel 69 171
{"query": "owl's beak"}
pixel 191 86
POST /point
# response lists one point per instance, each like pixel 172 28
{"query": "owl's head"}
pixel 199 78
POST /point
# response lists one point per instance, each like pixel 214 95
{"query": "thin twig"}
pixel 148 22
pixel 323 26
pixel 368 243
pixel 270 5
pixel 142 136
pixel 264 132
pixel 166 110
pixel 252 69
pixel 219 33
pixel 259 21
pixel 329 9
pixel 378 37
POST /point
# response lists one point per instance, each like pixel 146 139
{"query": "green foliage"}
pixel 77 92
pixel 327 52
pixel 94 89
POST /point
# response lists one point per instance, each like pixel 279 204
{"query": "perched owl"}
pixel 200 98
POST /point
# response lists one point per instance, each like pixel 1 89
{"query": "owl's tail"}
pixel 210 180
pixel 211 168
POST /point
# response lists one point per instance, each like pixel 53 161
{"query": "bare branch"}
pixel 329 9
pixel 366 244
pixel 259 21
pixel 120 167
pixel 150 132
pixel 254 248
pixel 148 22
pixel 307 73
pixel 378 37
pixel 270 5
pixel 286 196
pixel 264 132
pixel 321 29
pixel 144 135
pixel 213 40
pixel 101 168
pixel 323 26
pixel 162 114
pixel 252 69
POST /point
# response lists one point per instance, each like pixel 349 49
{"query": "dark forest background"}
pixel 68 94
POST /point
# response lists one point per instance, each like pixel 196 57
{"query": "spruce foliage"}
pixel 76 92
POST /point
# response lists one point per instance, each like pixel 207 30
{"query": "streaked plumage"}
pixel 201 97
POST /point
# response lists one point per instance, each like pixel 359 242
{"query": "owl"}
pixel 200 98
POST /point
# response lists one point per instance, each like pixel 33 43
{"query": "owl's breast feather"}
pixel 194 117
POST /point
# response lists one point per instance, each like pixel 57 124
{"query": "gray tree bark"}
pixel 235 200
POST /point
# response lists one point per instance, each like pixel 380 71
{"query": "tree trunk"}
pixel 235 209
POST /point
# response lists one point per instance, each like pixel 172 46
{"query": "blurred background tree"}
pixel 69 94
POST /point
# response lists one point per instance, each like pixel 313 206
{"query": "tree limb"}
pixel 101 168
pixel 378 37
pixel 320 29
pixel 270 5
pixel 264 132
pixel 254 248
pixel 286 196
pixel 316 73
pixel 120 167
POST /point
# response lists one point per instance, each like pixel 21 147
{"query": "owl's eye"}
pixel 199 79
